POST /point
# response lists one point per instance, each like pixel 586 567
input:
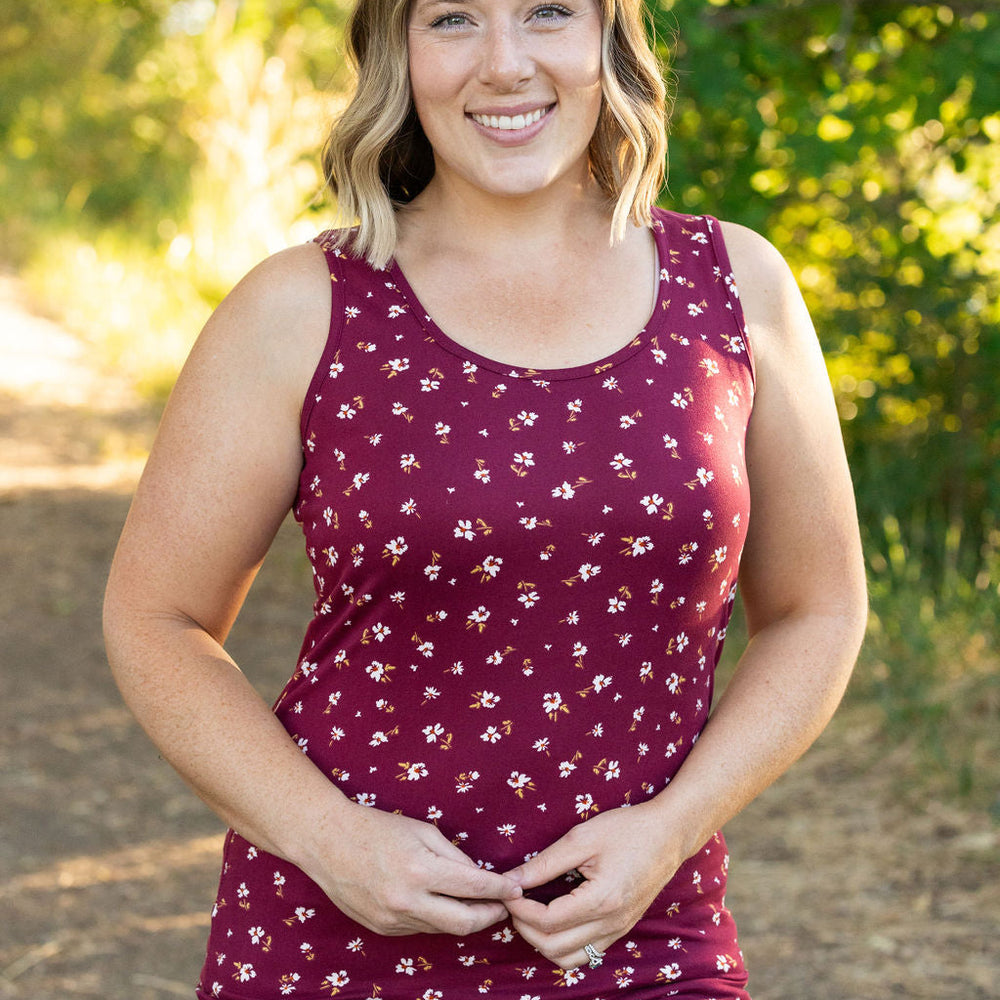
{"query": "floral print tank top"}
pixel 523 580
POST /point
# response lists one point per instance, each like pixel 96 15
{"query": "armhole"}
pixel 732 292
pixel 334 264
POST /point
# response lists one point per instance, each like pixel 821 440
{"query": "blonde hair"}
pixel 376 155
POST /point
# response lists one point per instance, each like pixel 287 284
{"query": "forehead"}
pixel 438 6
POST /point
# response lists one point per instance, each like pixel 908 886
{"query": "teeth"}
pixel 506 123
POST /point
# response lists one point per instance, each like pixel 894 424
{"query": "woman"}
pixel 524 517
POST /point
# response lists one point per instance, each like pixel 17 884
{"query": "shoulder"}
pixel 775 314
pixel 276 320
pixel 287 289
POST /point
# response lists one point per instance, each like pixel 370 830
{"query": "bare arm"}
pixel 221 478
pixel 803 587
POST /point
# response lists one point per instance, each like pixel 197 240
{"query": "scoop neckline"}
pixel 587 369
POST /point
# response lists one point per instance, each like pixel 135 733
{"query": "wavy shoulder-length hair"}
pixel 377 157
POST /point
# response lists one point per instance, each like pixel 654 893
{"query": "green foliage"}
pixel 871 136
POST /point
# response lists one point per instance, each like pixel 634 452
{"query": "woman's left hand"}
pixel 625 858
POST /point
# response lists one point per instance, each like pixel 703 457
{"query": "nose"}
pixel 506 61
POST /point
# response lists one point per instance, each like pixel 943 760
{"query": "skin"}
pixel 229 443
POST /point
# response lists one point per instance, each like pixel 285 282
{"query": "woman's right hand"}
pixel 396 875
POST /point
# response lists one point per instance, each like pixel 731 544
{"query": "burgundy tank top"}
pixel 523 582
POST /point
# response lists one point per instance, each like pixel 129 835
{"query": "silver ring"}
pixel 594 956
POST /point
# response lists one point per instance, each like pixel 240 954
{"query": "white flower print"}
pixel 485 699
pixel 413 772
pixel 519 781
pixel 529 598
pixel 652 502
pixel 379 672
pixel 477 618
pixel 489 567
pixel 565 491
pixel 637 546
pixel 622 464
pixel 523 460
pixel 552 704
pixel 433 814
pixel 359 480
pixel 566 768
pixel 396 366
pixel 335 980
pixel 244 972
pixel 600 682
pixel 669 973
pixel 718 557
pixel 687 552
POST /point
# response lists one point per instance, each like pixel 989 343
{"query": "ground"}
pixel 846 885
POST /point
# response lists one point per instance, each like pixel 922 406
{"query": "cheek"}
pixel 430 81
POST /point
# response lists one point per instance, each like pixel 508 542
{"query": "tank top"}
pixel 523 581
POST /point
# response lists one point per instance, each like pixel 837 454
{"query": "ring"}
pixel 594 956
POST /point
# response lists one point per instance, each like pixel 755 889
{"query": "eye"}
pixel 550 12
pixel 456 19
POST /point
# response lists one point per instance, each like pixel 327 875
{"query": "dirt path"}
pixel 842 890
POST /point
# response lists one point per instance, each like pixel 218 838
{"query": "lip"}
pixel 514 109
pixel 512 137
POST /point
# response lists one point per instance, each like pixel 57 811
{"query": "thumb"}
pixel 557 859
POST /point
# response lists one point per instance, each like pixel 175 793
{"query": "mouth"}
pixel 512 123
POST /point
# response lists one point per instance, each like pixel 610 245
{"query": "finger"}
pixel 564 913
pixel 463 879
pixel 566 949
pixel 494 884
pixel 557 859
pixel 461 917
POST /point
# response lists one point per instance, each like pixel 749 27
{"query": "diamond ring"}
pixel 594 957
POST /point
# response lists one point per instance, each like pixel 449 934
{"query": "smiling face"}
pixel 508 92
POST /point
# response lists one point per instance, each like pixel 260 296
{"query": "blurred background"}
pixel 152 151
